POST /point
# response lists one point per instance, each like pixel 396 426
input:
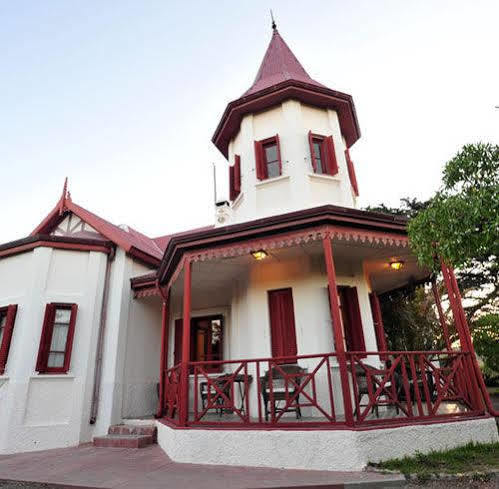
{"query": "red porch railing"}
pixel 306 390
pixel 171 399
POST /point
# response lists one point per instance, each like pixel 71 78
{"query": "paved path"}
pixel 149 468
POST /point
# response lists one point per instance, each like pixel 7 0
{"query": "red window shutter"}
pixel 312 152
pixel 378 322
pixel 232 191
pixel 45 338
pixel 351 173
pixel 261 167
pixel 237 175
pixel 235 178
pixel 354 334
pixel 7 336
pixel 177 351
pixel 279 153
pixel 282 323
pixel 330 156
pixel 69 339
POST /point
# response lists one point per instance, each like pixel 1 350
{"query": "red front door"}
pixel 282 323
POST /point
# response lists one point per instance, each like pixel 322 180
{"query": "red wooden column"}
pixel 441 316
pixel 337 332
pixel 186 346
pixel 465 338
pixel 165 335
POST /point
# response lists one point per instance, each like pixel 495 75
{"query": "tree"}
pixel 461 222
pixel 486 342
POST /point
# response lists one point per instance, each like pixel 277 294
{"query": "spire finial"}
pixel 274 25
pixel 64 196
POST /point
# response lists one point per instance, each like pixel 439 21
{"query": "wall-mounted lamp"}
pixel 259 254
pixel 396 264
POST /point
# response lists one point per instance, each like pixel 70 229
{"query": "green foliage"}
pixel 472 457
pixel 461 222
pixel 410 321
pixel 486 342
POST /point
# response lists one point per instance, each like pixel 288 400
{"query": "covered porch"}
pixel 295 339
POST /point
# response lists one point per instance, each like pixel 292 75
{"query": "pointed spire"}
pixel 279 64
pixel 65 196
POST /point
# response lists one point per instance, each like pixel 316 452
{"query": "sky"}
pixel 123 97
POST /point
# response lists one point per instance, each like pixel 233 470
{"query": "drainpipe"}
pixel 94 407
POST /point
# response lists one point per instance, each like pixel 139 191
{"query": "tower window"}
pixel 322 154
pixel 319 155
pixel 268 158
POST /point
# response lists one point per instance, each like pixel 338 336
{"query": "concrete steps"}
pixel 127 436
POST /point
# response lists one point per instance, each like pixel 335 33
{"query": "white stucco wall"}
pixel 121 388
pixel 320 449
pixel 47 411
pixel 298 187
pixel 143 349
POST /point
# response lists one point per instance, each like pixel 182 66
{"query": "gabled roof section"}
pixel 131 241
pixel 278 65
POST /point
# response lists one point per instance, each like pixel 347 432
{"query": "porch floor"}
pixel 384 412
pixel 87 467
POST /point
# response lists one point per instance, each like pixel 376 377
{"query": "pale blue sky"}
pixel 123 96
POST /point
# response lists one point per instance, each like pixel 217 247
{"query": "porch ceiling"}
pixel 213 280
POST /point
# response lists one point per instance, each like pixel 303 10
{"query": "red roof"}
pixel 127 238
pixel 163 241
pixel 279 64
pixel 281 77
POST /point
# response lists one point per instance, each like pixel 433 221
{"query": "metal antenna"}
pixel 214 183
pixel 274 25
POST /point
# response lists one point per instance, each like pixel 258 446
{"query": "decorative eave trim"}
pixel 291 239
pixel 57 242
pixel 336 233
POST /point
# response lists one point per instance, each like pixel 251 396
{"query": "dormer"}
pixel 286 140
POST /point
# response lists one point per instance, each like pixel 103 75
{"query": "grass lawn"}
pixel 473 457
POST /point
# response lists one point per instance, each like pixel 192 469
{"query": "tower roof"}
pixel 278 65
pixel 282 77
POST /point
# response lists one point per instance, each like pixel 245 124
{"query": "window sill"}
pixel 269 181
pixel 4 377
pixel 52 376
pixel 324 178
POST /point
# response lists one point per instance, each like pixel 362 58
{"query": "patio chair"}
pixel 208 391
pixel 279 384
pixel 361 372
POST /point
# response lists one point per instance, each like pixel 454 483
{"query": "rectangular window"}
pixel 54 354
pixel 268 158
pixel 206 341
pixel 322 154
pixel 319 156
pixel 7 319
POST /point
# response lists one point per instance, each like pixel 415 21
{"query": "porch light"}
pixel 396 265
pixel 259 254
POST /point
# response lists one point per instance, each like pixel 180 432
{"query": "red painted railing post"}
pixel 441 316
pixel 465 339
pixel 164 355
pixel 337 331
pixel 186 346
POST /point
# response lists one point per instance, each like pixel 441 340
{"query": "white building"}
pixel 256 341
